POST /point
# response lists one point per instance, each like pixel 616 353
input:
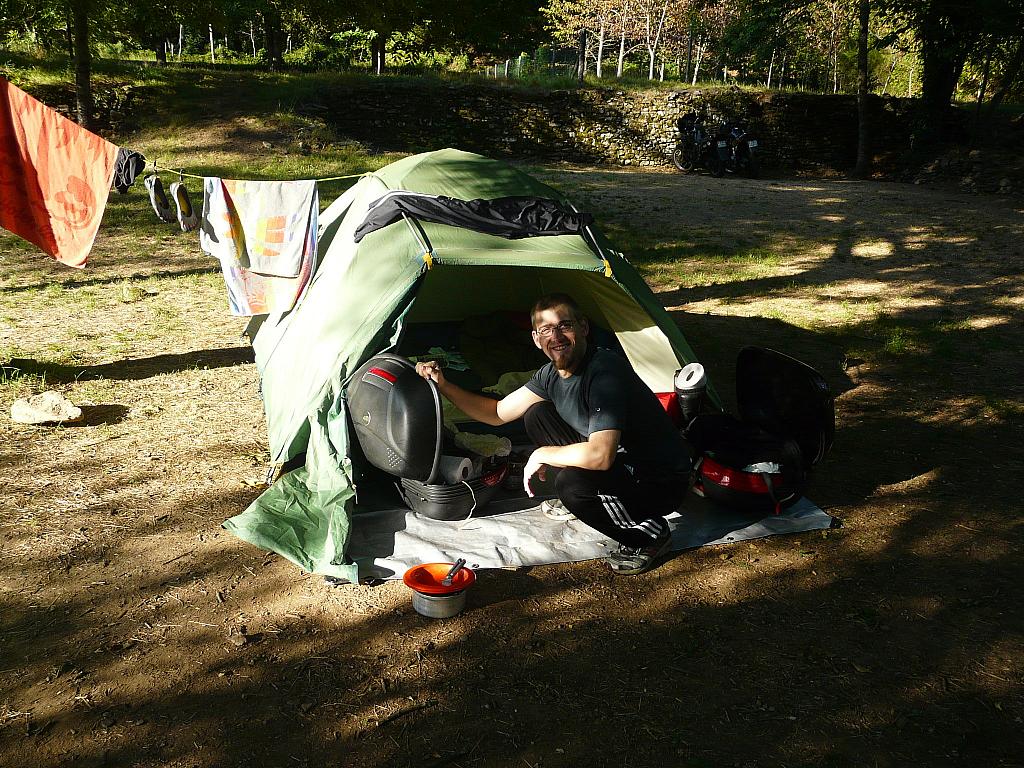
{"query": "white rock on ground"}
pixel 47 408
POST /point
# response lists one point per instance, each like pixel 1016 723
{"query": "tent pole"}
pixel 421 238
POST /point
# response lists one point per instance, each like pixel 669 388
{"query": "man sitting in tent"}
pixel 580 409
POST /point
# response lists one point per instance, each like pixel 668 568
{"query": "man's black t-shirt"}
pixel 606 393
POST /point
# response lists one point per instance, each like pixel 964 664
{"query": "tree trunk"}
pixel 181 39
pixel 161 52
pixel 656 44
pixel 581 57
pixel 941 65
pixel 689 53
pixel 377 52
pixel 863 167
pixel 600 47
pixel 696 62
pixel 272 38
pixel 83 64
pixel 213 55
pixel 834 47
pixel 622 52
pixel 984 84
pixel 69 38
pixel 892 68
pixel 771 66
pixel 1008 79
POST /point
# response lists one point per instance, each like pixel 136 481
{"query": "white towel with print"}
pixel 262 226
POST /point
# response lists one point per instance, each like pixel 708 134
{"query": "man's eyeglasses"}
pixel 563 327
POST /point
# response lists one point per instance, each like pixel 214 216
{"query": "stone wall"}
pixel 797 131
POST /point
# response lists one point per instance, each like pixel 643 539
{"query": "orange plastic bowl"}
pixel 426 578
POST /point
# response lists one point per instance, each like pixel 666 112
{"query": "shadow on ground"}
pixel 803 661
pixel 142 368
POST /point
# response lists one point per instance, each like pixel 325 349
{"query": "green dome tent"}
pixel 364 295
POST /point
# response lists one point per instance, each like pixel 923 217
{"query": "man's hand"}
pixel 431 370
pixel 597 452
pixel 534 466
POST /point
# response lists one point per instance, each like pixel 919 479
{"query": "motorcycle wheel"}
pixel 682 159
pixel 716 166
pixel 753 168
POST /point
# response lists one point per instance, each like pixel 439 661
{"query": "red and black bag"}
pixel 760 461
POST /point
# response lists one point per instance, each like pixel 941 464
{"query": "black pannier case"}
pixel 398 421
pixel 397 417
pixel 760 461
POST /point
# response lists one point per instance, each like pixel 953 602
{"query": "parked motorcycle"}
pixel 700 146
pixel 742 157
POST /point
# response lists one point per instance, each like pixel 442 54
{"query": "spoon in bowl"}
pixel 459 565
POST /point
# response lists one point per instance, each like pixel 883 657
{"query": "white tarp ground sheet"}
pixel 388 542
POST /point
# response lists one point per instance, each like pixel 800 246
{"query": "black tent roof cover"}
pixel 510 217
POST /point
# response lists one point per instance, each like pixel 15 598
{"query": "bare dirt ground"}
pixel 135 632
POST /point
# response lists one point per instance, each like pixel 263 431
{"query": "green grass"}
pixel 707 267
pixel 53 292
pixel 924 339
pixel 14 384
pixel 1004 408
pixel 896 341
pixel 213 121
pixel 952 326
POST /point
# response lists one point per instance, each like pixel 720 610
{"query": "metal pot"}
pixel 439 606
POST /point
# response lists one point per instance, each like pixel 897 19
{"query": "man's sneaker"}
pixel 555 510
pixel 629 561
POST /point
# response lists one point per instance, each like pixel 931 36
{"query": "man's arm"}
pixel 597 452
pixel 479 407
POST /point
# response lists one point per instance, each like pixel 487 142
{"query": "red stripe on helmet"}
pixel 386 375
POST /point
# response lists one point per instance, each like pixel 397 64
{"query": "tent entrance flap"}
pixel 454 293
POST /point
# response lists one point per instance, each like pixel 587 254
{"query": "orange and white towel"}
pixel 54 177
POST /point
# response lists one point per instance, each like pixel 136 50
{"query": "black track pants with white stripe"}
pixel 630 511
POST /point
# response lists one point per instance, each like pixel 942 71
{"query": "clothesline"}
pixel 180 172
pixel 59 173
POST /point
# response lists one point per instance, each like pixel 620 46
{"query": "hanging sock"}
pixel 188 219
pixel 158 198
pixel 127 167
pixel 54 177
